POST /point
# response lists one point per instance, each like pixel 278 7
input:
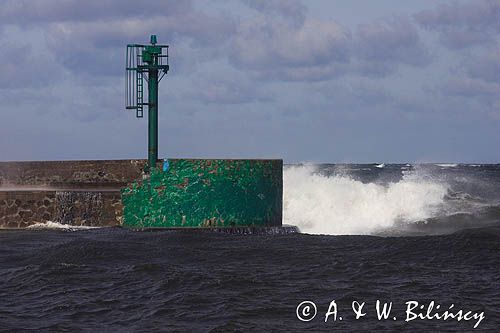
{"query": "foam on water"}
pixel 447 165
pixel 340 205
pixel 56 225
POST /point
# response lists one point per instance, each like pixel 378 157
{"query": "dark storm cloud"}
pixel 464 24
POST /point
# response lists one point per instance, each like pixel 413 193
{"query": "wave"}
pixel 447 165
pixel 340 205
pixel 60 226
pixel 421 201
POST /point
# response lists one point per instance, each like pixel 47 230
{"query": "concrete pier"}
pixel 189 193
pixel 73 192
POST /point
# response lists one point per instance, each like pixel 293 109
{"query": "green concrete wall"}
pixel 207 193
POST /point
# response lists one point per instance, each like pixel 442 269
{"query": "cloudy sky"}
pixel 317 80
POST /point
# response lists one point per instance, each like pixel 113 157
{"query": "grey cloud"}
pixel 333 100
pixel 98 47
pixel 300 49
pixel 466 87
pixel 466 96
pixel 486 67
pixel 89 37
pixel 321 50
pixel 32 12
pixel 461 39
pixel 274 47
pixel 464 24
pixel 86 59
pixel 309 73
pixel 371 95
pixel 22 67
pixel 228 91
pixel 393 41
pixel 378 69
pixel 292 9
pixel 473 28
pixel 28 97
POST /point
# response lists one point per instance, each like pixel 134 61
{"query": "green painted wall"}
pixel 207 193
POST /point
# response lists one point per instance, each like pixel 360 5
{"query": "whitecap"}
pixel 340 205
pixel 56 225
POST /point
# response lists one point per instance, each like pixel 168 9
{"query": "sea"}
pixel 381 248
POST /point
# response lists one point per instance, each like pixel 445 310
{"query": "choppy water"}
pixel 120 280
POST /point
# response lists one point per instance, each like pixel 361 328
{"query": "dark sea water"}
pixel 426 233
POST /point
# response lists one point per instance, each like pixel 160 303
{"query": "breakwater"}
pixel 71 192
pixel 188 193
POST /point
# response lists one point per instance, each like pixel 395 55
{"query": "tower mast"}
pixel 146 60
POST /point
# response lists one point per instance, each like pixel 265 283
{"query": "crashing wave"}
pixel 340 205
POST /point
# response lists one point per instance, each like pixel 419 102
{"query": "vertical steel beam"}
pixel 153 116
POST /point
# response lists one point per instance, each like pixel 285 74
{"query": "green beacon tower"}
pixel 149 63
pixel 229 194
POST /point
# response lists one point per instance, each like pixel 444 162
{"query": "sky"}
pixel 334 81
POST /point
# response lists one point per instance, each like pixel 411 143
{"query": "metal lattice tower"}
pixel 146 62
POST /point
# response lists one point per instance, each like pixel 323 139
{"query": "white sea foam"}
pixel 56 225
pixel 447 165
pixel 380 166
pixel 340 205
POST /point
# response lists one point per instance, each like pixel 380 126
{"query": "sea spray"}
pixel 340 205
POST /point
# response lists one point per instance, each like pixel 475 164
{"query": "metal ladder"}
pixel 140 94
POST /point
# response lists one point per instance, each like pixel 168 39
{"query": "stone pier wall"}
pixel 70 174
pixel 70 192
pixel 20 209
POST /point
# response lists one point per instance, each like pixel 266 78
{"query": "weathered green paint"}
pixel 207 193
